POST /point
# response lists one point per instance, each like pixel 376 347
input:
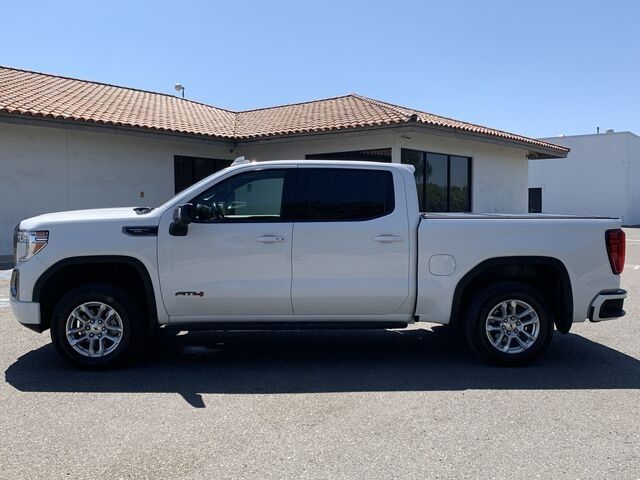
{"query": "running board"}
pixel 283 325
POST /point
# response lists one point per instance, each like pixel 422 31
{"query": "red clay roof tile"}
pixel 49 96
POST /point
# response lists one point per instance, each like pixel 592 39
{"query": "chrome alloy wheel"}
pixel 94 329
pixel 512 326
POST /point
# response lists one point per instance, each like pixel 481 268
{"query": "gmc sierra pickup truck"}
pixel 310 244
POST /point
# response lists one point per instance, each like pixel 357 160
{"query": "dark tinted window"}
pixel 459 175
pixel 415 158
pixel 535 200
pixel 189 170
pixel 375 155
pixel 437 191
pixel 443 181
pixel 328 194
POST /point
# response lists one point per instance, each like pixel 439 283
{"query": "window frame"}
pixel 289 207
pixel 423 154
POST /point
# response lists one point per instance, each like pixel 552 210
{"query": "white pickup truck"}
pixel 310 244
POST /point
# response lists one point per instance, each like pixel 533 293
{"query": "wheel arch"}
pixel 128 271
pixel 535 271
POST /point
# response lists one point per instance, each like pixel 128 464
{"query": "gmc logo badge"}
pixel 189 294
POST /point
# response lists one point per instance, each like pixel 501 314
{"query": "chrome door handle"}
pixel 388 238
pixel 270 239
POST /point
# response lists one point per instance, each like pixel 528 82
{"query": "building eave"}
pixel 533 151
pixel 95 127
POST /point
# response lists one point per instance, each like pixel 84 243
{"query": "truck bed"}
pixel 509 216
pixel 449 250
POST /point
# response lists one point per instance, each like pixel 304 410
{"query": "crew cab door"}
pixel 235 260
pixel 351 242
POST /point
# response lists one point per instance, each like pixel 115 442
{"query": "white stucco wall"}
pixel 600 176
pixel 633 180
pixel 499 173
pixel 48 169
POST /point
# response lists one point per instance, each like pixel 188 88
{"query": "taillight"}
pixel 616 249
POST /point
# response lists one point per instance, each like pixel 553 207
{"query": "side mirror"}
pixel 182 217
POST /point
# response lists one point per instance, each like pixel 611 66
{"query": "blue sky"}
pixel 539 68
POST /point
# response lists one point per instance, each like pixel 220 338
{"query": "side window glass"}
pixel 246 197
pixel 341 194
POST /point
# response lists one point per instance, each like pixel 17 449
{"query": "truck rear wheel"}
pixel 508 323
pixel 96 326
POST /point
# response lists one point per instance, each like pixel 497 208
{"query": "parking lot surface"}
pixel 355 404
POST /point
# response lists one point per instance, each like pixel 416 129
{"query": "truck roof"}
pixel 337 163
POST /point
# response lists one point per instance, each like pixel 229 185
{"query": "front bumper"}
pixel 607 305
pixel 28 314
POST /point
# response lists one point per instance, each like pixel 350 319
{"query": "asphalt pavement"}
pixel 354 404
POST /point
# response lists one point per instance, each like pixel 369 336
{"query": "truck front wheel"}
pixel 508 323
pixel 96 326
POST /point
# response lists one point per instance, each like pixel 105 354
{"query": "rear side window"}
pixel 340 194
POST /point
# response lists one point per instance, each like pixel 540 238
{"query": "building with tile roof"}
pixel 70 143
pixel 38 95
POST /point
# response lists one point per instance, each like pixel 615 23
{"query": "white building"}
pixel 72 144
pixel 600 176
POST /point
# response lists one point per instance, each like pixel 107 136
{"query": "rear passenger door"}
pixel 350 253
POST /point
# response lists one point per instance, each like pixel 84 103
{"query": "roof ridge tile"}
pixel 395 108
pixel 295 104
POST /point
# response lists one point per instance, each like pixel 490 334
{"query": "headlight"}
pixel 27 244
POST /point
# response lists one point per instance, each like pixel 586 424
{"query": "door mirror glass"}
pixel 183 214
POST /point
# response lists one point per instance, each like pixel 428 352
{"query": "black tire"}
pixel 119 301
pixel 485 303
